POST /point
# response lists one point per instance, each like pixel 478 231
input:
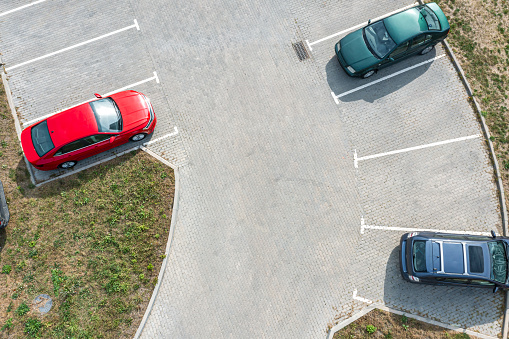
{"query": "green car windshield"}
pixel 498 261
pixel 378 39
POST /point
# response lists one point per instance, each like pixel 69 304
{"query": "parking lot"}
pixel 296 180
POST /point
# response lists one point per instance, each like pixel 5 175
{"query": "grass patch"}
pixel 382 324
pixel 93 241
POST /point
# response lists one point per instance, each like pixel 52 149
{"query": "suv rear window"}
pixel 41 138
pixel 476 259
pixel 419 256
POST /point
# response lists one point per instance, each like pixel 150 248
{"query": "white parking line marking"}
pixel 405 229
pixel 335 98
pixel 384 78
pixel 309 45
pixel 135 25
pixel 21 7
pixel 360 25
pixel 364 300
pixel 104 95
pixel 357 159
pixel 133 85
pixel 163 137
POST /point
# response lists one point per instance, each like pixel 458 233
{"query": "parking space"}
pixel 379 281
pixel 441 187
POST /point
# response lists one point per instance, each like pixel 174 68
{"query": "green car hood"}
pixel 355 52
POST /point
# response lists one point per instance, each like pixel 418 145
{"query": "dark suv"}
pixel 454 259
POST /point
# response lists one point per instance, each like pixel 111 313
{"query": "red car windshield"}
pixel 107 115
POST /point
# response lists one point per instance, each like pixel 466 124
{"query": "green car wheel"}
pixel 368 74
pixel 427 50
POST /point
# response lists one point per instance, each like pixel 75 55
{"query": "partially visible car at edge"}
pixel 387 41
pixel 455 259
pixel 63 139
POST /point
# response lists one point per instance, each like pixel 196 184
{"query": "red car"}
pixel 63 139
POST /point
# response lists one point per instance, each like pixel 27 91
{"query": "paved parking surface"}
pixel 268 239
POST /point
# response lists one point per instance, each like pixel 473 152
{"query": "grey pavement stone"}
pixel 267 240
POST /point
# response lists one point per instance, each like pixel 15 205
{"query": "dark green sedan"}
pixel 382 43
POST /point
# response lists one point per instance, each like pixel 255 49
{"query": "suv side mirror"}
pixel 112 139
pixel 97 95
pixel 493 234
pixel 369 21
pixel 495 289
pixel 391 59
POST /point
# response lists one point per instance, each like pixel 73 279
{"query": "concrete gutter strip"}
pixel 167 253
pixel 350 320
pixel 409 315
pixel 500 186
pixel 10 101
pixel 436 323
pixel 161 159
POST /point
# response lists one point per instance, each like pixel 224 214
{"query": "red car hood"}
pixel 133 107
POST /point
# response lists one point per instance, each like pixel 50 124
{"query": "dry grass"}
pixel 390 325
pixel 93 241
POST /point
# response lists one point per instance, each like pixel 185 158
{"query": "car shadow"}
pixel 463 307
pixel 339 82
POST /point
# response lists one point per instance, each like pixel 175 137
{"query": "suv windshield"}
pixel 378 39
pixel 107 115
pixel 431 18
pixel 498 261
pixel 41 139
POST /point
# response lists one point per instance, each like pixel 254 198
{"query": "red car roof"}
pixel 72 124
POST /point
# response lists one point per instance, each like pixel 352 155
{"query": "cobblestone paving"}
pixel 267 240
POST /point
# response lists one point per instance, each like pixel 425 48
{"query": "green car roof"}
pixel 405 25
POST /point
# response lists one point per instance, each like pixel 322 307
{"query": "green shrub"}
pixel 32 327
pixel 370 329
pixel 8 325
pixel 22 309
pixel 6 269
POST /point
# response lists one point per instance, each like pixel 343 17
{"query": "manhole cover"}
pixel 300 50
pixel 43 303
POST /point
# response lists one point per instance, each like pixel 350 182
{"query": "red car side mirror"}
pixel 112 139
pixel 97 95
